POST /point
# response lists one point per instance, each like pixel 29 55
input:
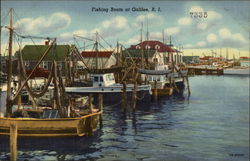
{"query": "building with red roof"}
pixel 163 50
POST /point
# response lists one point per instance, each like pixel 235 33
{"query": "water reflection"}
pixel 210 124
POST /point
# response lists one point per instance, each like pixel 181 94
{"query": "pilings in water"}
pixel 155 91
pixel 188 85
pixel 124 96
pixel 91 103
pixel 100 107
pixel 13 142
pixel 134 92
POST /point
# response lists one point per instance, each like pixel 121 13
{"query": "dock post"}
pixel 124 96
pixel 175 86
pixel 19 102
pixel 188 85
pixel 90 103
pixel 100 106
pixel 155 92
pixel 13 142
pixel 134 96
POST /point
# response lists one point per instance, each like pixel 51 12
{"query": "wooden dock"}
pixel 201 70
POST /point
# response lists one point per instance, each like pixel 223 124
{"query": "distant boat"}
pixel 237 71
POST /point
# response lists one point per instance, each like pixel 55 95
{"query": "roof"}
pixel 34 52
pixel 96 53
pixel 135 53
pixel 156 45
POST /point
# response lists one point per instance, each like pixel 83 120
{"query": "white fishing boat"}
pixel 112 91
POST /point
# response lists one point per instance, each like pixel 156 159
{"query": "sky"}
pixel 219 26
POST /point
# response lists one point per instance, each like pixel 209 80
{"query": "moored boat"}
pixel 112 91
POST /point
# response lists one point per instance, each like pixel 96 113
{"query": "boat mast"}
pixel 0 50
pixel 142 56
pixel 96 49
pixel 8 100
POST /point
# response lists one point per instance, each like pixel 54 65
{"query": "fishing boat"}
pixel 102 80
pixel 112 91
pixel 158 81
pixel 61 119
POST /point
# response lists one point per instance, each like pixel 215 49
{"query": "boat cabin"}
pixel 103 80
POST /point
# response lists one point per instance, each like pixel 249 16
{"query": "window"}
pixel 112 77
pixel 148 47
pixel 59 64
pixel 96 79
pixel 155 60
pixel 150 78
pixel 26 63
pixel 46 65
pixel 101 79
pixel 41 65
pixel 157 47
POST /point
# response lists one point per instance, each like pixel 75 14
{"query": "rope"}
pixel 24 77
pixel 141 98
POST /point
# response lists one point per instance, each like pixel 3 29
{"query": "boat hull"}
pixel 57 127
pixel 112 95
pixel 165 92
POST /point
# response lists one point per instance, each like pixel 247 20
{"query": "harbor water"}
pixel 211 124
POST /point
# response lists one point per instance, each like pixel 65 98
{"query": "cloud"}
pixel 42 24
pixel 67 36
pixel 224 38
pixel 113 27
pixel 185 21
pixel 196 9
pixel 172 30
pixel 201 44
pixel 133 40
pixel 155 35
pixel 225 33
pixel 151 18
pixel 213 16
pixel 230 39
pixel 188 26
pixel 211 38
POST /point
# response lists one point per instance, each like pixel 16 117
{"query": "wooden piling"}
pixel 188 86
pixel 175 86
pixel 19 102
pixel 13 142
pixel 124 96
pixel 90 103
pixel 100 106
pixel 155 91
pixel 134 96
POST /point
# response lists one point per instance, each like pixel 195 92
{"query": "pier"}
pixel 201 70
